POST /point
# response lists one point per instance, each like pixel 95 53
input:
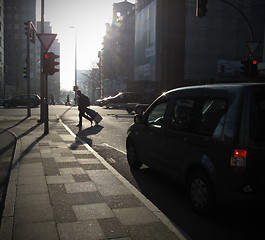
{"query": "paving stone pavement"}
pixel 60 189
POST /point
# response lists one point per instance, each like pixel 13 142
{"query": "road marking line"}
pixel 107 145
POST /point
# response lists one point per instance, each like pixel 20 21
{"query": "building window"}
pixel 9 16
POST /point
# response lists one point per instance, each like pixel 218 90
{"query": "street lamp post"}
pixel 75 62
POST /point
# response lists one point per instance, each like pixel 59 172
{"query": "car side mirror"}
pixel 138 119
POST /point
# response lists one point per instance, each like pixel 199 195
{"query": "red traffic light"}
pixel 49 63
pixel 254 62
pixel 46 55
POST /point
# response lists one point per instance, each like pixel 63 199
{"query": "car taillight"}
pixel 238 161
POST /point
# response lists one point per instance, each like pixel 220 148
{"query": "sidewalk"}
pixel 60 188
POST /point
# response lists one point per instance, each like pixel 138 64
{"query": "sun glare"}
pixel 84 19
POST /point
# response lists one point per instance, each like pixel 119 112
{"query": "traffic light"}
pixel 27 26
pixel 49 63
pixel 201 8
pixel 25 72
pixel 46 63
pixel 29 29
pixel 245 67
pixel 32 35
pixel 254 68
pixel 54 63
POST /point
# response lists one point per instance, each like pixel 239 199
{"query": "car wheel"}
pixel 200 193
pixel 132 156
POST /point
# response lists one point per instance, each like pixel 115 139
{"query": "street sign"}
pixel 252 46
pixel 46 40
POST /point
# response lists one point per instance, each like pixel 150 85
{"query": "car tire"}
pixel 133 161
pixel 200 193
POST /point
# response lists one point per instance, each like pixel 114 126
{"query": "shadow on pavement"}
pixel 8 145
pixel 21 121
pixel 27 150
pixel 89 131
pixel 83 135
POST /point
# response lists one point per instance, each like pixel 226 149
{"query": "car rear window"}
pixel 213 114
pixel 257 117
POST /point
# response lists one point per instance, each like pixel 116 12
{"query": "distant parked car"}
pixel 138 108
pixel 22 100
pixel 122 99
pixel 102 101
pixel 210 139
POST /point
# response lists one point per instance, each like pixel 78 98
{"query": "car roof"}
pixel 220 86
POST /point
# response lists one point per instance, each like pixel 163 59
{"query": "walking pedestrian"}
pixel 52 101
pixel 83 102
pixel 67 100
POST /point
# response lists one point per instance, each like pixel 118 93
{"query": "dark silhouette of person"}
pixel 82 107
pixel 67 100
pixel 52 101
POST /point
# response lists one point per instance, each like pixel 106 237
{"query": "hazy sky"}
pixel 88 17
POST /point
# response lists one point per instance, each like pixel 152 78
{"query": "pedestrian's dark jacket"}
pixel 82 102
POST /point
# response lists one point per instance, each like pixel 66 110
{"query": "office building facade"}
pixel 16 13
pixel 2 62
pixel 175 48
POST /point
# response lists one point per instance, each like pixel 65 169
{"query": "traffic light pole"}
pixel 250 74
pixel 28 71
pixel 42 112
pixel 243 15
pixel 46 112
pixel 49 63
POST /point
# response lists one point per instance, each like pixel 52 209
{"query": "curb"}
pixel 160 215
